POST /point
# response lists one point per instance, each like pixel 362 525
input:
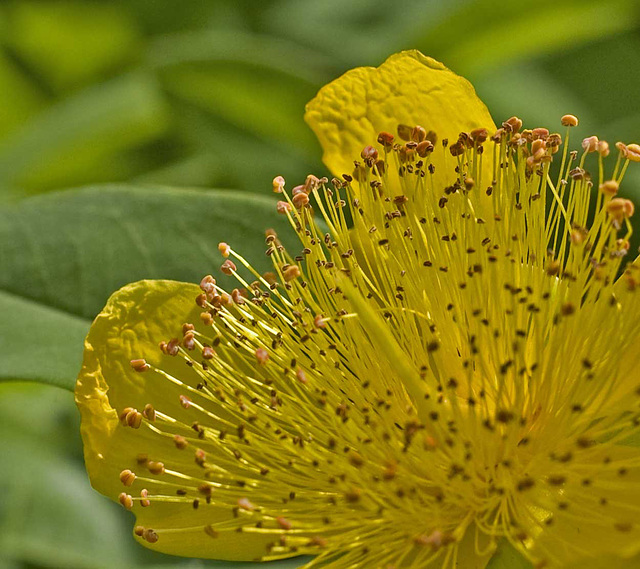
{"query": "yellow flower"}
pixel 449 359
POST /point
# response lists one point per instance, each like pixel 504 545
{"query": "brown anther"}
pixel 430 443
pixel 278 184
pixel 228 267
pixel 185 401
pixel 622 147
pixel 538 145
pixel 619 209
pixel 609 188
pixel 133 419
pixel 479 135
pixel 424 148
pixel 567 309
pixel 540 133
pixel 236 296
pixel 292 272
pixel 180 442
pixel 513 125
pixel 149 412
pixel 208 283
pixel 126 500
pixel 139 365
pixel 418 134
pixel 404 131
pixel 436 539
pixel 603 148
pixel 208 352
pixel 245 504
pixel 317 541
pixel 469 183
pixel 155 467
pixel 201 300
pixel 456 149
pixel 390 470
pixel 144 502
pixel 283 207
pixel 369 153
pixel 150 535
pixel 127 477
pixel 353 495
pixel 262 356
pixel 569 120
pixel 311 183
pixel 356 459
pixel 138 530
pixel 633 152
pixel 206 318
pixel 590 144
pixel 577 237
pixel 300 200
pixel 211 531
pixel 301 377
pixel 283 522
pixel 319 321
pixel 189 341
pixel 553 268
pixel 386 139
pixel 300 189
pixel 224 249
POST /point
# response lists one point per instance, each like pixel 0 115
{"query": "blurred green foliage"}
pixel 211 95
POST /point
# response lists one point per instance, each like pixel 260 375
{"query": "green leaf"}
pixel 64 253
pixel 39 343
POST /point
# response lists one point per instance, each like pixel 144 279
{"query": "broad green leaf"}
pixel 39 343
pixel 80 138
pixel 63 254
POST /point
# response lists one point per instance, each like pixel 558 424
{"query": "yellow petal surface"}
pixel 408 88
pixel 129 327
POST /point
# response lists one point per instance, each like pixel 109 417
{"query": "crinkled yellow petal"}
pixel 408 88
pixel 601 518
pixel 129 327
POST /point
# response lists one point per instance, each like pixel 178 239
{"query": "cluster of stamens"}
pixel 439 360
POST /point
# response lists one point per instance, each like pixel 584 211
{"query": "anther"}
pixel 300 200
pixel 144 502
pixel 228 267
pixel 224 249
pixel 245 504
pixel 609 188
pixel 278 184
pixel 283 523
pixel 208 352
pixel 292 272
pixel 590 144
pixel 139 365
pixel 386 139
pixel 633 152
pixel 283 207
pixel 150 535
pixel 126 500
pixel 180 442
pixel 127 477
pixel 262 356
pixel 301 376
pixel 569 120
pixel 185 401
pixel 603 148
pixel 156 468
pixel 139 531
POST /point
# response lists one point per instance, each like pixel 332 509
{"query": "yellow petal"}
pixel 601 519
pixel 129 327
pixel 409 88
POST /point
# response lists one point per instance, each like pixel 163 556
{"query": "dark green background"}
pixel 154 96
